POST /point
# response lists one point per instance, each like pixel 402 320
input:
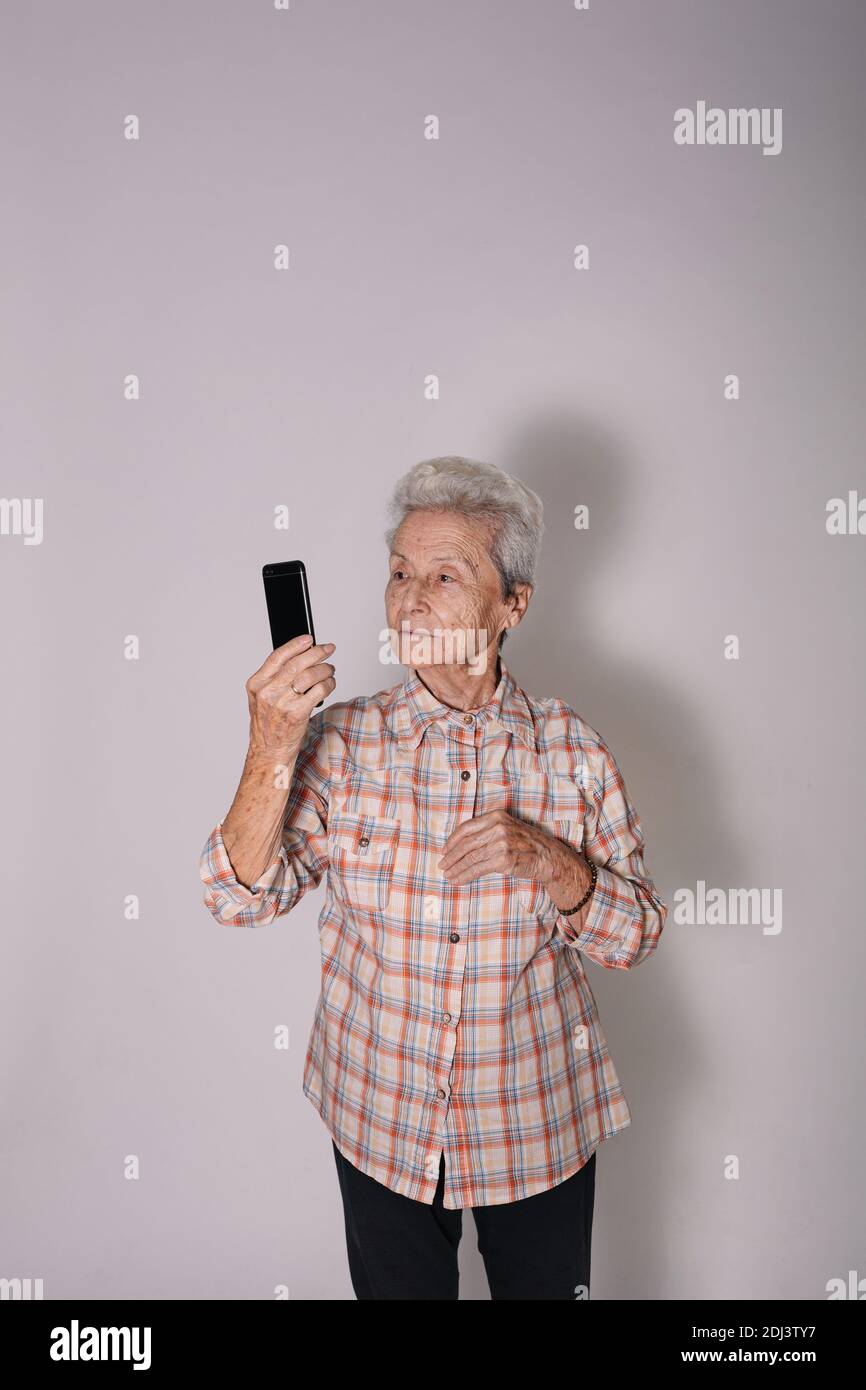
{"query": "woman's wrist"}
pixel 568 877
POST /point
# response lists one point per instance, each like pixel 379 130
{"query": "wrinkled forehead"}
pixel 444 538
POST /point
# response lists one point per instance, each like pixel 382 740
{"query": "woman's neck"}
pixel 460 686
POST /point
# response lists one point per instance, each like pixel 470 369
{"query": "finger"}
pixel 469 836
pixel 487 859
pixel 291 700
pixel 318 691
pixel 280 657
pixel 312 656
pixel 304 680
pixel 466 834
pixel 278 669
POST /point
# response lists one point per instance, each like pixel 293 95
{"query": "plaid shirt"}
pixel 454 1019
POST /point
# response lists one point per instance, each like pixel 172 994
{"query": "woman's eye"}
pixel 401 574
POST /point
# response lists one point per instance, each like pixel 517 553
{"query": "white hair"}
pixel 514 513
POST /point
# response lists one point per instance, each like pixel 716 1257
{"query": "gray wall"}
pixel 154 1037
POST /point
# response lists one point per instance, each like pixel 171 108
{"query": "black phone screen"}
pixel 288 601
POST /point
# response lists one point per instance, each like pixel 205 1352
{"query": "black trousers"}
pixel 538 1247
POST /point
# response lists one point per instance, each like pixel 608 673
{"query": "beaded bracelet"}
pixel 593 875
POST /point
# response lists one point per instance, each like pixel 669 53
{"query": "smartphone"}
pixel 288 600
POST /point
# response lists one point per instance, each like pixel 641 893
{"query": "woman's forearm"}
pixel 252 830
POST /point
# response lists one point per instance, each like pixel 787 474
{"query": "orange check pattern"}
pixel 454 1018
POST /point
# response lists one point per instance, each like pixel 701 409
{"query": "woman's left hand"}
pixel 497 843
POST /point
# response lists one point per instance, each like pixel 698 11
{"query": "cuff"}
pixel 224 893
pixel 610 913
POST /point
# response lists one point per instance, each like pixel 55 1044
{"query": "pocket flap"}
pixel 364 834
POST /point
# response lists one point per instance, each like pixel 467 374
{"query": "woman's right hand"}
pixel 279 714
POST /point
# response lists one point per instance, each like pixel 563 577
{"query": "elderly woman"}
pixel 478 843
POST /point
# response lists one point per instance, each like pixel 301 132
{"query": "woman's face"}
pixel 444 585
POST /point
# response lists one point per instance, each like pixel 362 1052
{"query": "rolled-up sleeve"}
pixel 625 916
pixel 303 853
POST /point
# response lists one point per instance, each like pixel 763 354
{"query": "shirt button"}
pixel 363 840
pixel 446 1018
pixel 455 936
pixel 468 718
pixel 440 1093
pixel 464 776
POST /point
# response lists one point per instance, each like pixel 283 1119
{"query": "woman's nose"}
pixel 413 594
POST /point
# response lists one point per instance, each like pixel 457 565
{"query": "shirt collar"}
pixel 414 708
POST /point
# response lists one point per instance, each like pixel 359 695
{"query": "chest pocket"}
pixel 547 801
pixel 362 851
